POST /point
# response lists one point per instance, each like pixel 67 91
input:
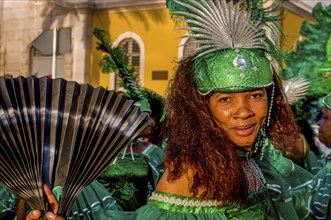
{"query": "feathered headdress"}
pixel 295 89
pixel 235 42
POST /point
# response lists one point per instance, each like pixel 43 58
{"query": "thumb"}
pixel 52 216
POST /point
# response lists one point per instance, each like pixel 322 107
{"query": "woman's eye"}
pixel 257 95
pixel 225 99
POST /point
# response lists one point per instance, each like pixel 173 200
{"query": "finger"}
pixel 35 214
pixel 52 216
pixel 51 199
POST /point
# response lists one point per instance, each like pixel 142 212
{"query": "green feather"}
pixel 115 60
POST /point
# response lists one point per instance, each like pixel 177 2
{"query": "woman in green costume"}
pixel 227 120
pixel 226 116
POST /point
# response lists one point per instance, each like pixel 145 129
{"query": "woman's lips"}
pixel 244 130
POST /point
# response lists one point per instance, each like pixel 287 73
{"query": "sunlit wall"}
pixel 160 41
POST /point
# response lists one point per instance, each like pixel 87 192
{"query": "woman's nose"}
pixel 244 110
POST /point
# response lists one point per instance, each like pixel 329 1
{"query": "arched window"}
pixel 131 49
pixel 188 49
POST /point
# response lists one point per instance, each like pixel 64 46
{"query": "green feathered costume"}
pixel 231 57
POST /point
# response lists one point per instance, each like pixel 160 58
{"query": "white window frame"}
pixel 141 45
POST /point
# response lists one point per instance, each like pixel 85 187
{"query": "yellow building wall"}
pixel 161 42
pixel 291 27
pixel 156 30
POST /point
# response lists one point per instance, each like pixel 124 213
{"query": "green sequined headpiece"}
pixel 327 101
pixel 236 42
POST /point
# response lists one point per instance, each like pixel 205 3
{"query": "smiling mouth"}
pixel 244 130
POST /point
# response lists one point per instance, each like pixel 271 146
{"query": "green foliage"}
pixel 115 61
pixel 304 62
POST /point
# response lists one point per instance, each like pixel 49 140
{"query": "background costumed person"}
pixel 227 121
pixel 136 171
pixel 310 60
pixel 324 131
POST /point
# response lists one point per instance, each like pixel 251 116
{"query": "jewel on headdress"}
pixel 255 68
pixel 242 75
pixel 241 61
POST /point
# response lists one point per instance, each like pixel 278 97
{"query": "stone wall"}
pixel 22 21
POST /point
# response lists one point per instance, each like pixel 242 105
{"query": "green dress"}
pixel 290 192
pixel 173 207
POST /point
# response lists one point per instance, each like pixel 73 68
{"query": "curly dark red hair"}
pixel 195 141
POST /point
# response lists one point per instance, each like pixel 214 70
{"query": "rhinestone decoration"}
pixel 255 68
pixel 242 75
pixel 200 76
pixel 184 202
pixel 241 61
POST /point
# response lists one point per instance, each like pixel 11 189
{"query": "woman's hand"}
pixel 53 204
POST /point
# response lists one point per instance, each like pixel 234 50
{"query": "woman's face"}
pixel 240 115
pixel 324 130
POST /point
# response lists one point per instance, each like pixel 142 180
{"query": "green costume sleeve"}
pixel 8 203
pixel 155 156
pixel 94 203
pixel 296 193
pixel 314 163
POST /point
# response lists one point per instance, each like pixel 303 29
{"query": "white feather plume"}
pixel 295 89
pixel 219 25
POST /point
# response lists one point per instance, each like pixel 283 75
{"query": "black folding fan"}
pixel 59 132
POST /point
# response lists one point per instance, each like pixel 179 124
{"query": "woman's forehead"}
pixel 240 93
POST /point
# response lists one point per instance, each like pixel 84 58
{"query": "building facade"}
pixel 54 37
